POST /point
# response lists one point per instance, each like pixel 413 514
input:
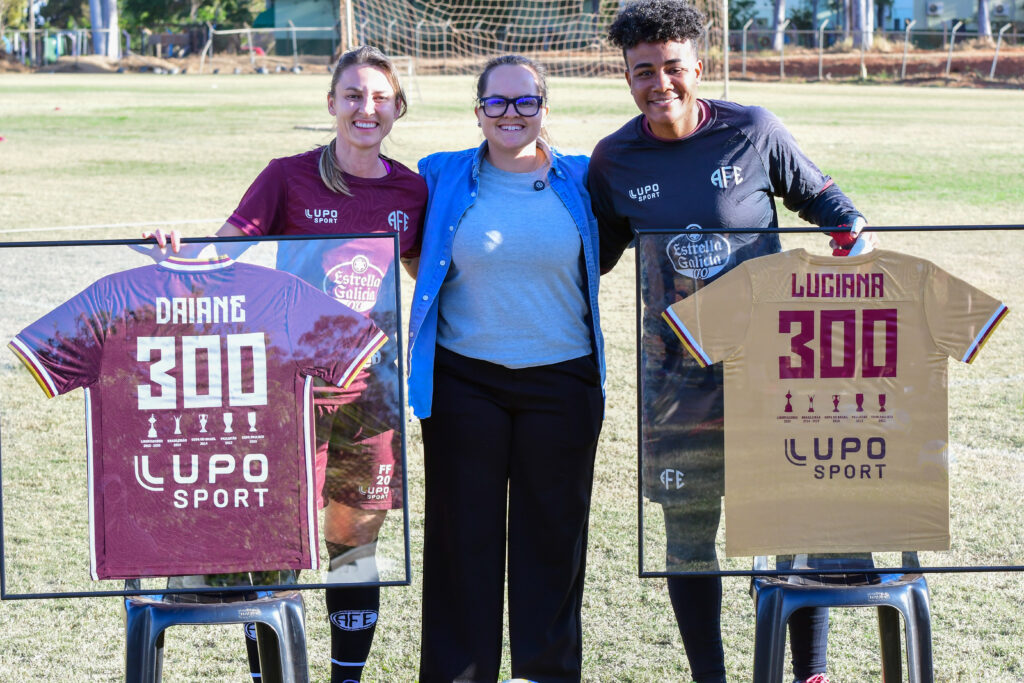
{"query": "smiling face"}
pixel 511 134
pixel 364 107
pixel 663 79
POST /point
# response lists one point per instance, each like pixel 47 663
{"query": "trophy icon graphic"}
pixel 177 424
pixel 860 403
pixel 228 419
pixel 789 405
pixel 881 403
pixel 151 434
pixel 835 403
pixel 252 420
pixel 203 417
pixel 810 403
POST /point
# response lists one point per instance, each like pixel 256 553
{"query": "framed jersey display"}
pixel 231 392
pixel 796 404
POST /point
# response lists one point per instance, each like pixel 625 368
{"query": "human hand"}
pixel 161 238
pixel 853 241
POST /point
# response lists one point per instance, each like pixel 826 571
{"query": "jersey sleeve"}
pixel 804 189
pixel 259 210
pixel 331 341
pixel 614 231
pixel 63 349
pixel 961 318
pixel 712 322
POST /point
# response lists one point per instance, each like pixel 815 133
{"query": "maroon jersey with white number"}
pixel 198 378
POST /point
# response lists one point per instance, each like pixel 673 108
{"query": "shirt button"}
pixel 451 228
pixel 472 194
pixel 426 298
pixel 442 262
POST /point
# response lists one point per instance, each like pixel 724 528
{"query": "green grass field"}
pixel 130 149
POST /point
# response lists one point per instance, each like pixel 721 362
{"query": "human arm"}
pixel 809 193
pixel 411 265
pixel 614 231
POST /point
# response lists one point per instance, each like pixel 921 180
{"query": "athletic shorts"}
pixel 683 434
pixel 359 451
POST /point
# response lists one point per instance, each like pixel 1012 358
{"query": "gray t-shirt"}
pixel 514 293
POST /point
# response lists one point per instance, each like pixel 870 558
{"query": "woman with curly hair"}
pixel 691 162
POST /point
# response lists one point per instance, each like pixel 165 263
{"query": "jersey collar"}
pixel 199 263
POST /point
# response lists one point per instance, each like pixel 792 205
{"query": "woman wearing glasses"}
pixel 506 373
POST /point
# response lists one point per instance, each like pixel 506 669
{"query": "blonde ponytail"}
pixel 330 171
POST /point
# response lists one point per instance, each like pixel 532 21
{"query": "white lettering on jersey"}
pixel 322 215
pixel 398 220
pixel 218 468
pixel 645 193
pixel 209 346
pixel 726 175
pixel 200 309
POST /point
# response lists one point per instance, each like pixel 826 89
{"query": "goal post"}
pixel 455 36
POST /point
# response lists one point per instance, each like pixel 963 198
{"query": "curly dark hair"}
pixel 656 21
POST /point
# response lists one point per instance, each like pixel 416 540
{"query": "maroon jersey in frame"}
pixel 198 379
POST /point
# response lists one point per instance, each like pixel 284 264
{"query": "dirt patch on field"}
pixel 9 66
pixel 967 68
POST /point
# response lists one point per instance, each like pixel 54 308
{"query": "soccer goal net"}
pixel 456 36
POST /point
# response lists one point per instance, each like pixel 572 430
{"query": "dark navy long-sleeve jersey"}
pixel 724 175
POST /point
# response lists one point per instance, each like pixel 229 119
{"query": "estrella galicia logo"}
pixel 354 619
pixel 672 479
pixel 726 176
pixel 398 220
pixel 322 215
pixel 355 283
pixel 645 193
pixel 698 255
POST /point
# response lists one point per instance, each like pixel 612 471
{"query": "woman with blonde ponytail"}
pixel 346 186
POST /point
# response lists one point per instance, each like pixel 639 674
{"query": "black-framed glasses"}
pixel 525 105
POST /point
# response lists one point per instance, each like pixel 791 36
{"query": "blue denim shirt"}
pixel 453 180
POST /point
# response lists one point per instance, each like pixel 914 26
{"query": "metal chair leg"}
pixel 770 637
pixel 889 638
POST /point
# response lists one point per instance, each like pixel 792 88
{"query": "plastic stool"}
pixel 279 619
pixel 777 597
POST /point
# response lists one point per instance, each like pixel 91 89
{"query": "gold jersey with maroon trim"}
pixel 835 396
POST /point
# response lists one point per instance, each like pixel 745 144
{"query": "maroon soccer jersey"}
pixel 289 198
pixel 198 378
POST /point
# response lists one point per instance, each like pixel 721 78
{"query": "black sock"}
pixel 252 651
pixel 353 618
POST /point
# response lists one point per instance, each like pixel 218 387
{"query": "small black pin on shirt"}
pixel 538 185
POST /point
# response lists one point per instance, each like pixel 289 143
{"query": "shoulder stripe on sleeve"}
pixel 686 338
pixel 243 224
pixel 352 370
pixel 985 333
pixel 26 356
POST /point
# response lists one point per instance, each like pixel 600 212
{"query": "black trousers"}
pixel 520 442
